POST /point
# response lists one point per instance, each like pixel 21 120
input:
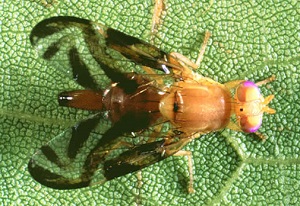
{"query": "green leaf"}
pixel 250 40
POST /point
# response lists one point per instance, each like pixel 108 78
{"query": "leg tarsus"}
pixel 139 180
pixel 190 167
pixel 186 61
pixel 159 7
pixel 203 47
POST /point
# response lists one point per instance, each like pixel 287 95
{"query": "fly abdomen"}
pixel 81 99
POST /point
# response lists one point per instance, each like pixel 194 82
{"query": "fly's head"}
pixel 250 105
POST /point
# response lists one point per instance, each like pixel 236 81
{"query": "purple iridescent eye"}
pixel 247 91
pixel 251 123
pixel 247 95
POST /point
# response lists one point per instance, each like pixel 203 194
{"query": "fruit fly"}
pixel 169 92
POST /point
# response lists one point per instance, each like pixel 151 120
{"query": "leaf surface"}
pixel 250 40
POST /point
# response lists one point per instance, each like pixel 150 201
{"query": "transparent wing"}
pixel 80 46
pixel 89 153
pixel 60 164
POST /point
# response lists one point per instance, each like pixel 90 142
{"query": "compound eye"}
pixel 250 124
pixel 247 91
pixel 247 94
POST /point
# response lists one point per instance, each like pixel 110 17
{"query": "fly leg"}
pixel 139 185
pixel 186 63
pixel 189 155
pixel 181 64
pixel 173 147
pixel 159 7
pixel 156 77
